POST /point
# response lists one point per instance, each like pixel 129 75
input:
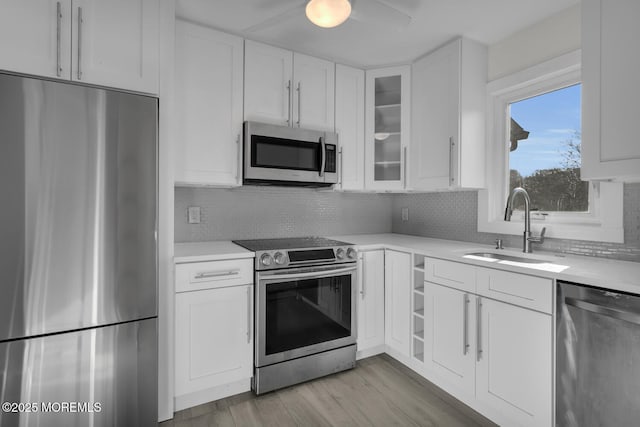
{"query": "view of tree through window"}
pixel 544 150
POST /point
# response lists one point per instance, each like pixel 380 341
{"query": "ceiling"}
pixel 369 44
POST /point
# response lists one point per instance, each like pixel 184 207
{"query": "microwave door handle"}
pixel 324 156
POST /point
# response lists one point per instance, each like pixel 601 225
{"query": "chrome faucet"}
pixel 528 238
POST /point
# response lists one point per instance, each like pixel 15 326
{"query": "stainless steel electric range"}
pixel 304 309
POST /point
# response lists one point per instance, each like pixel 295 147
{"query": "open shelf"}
pixel 382 106
pixel 418 349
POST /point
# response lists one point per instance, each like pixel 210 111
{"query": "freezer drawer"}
pixel 100 377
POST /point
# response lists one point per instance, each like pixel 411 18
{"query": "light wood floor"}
pixel 378 392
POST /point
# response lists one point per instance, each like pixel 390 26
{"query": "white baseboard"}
pixel 368 352
pixel 198 398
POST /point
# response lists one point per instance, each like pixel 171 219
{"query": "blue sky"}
pixel 551 119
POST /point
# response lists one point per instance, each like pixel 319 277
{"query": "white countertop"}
pixel 601 272
pixel 605 273
pixel 209 251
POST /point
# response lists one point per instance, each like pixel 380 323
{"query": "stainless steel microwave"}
pixel 282 155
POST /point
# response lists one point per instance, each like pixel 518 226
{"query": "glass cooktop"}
pixel 289 243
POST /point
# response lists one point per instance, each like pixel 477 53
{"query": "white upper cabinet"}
pixel 114 43
pixel 387 128
pixel 208 106
pixel 287 88
pixel 314 91
pixel 448 117
pixel 350 127
pixel 610 90
pixel 36 37
pixel 268 75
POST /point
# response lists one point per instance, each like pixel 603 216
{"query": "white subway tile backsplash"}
pixel 453 215
pixel 263 212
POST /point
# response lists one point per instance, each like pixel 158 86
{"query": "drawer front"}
pixel 452 274
pixel 213 274
pixel 519 289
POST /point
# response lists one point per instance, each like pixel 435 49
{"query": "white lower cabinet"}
pixel 495 356
pixel 370 303
pixel 397 319
pixel 514 373
pixel 449 343
pixel 213 341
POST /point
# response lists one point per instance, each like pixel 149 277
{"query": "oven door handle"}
pixel 319 273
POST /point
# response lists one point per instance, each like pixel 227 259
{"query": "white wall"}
pixel 547 39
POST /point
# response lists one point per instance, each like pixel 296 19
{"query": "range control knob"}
pixel 351 253
pixel 266 260
pixel 280 258
pixel 340 253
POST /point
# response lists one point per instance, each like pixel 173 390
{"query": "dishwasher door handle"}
pixel 604 310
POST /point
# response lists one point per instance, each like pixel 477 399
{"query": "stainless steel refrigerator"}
pixel 78 281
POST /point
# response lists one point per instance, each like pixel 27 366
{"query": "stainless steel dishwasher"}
pixel 598 357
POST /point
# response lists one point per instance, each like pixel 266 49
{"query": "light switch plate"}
pixel 193 214
pixel 405 214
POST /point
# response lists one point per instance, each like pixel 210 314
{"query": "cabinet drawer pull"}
pixel 211 274
pixel 58 24
pixel 79 43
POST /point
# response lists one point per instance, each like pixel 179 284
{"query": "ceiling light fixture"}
pixel 328 13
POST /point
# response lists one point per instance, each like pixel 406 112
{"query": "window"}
pixel 544 150
pixel 533 141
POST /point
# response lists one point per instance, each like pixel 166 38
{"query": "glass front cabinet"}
pixel 387 128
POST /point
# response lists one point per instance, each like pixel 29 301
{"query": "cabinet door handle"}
pixel 340 157
pixel 249 310
pixel 404 165
pixel 299 89
pixel 58 29
pixel 465 321
pixel 239 165
pixel 289 102
pixel 451 173
pixel 479 328
pixel 79 43
pixel 362 276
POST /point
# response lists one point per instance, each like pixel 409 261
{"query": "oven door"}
pixel 285 154
pixel 303 311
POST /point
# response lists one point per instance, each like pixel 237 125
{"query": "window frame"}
pixel 603 222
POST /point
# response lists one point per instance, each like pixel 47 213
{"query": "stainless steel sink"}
pixel 502 257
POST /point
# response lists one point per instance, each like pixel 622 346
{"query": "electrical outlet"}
pixel 193 214
pixel 405 214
